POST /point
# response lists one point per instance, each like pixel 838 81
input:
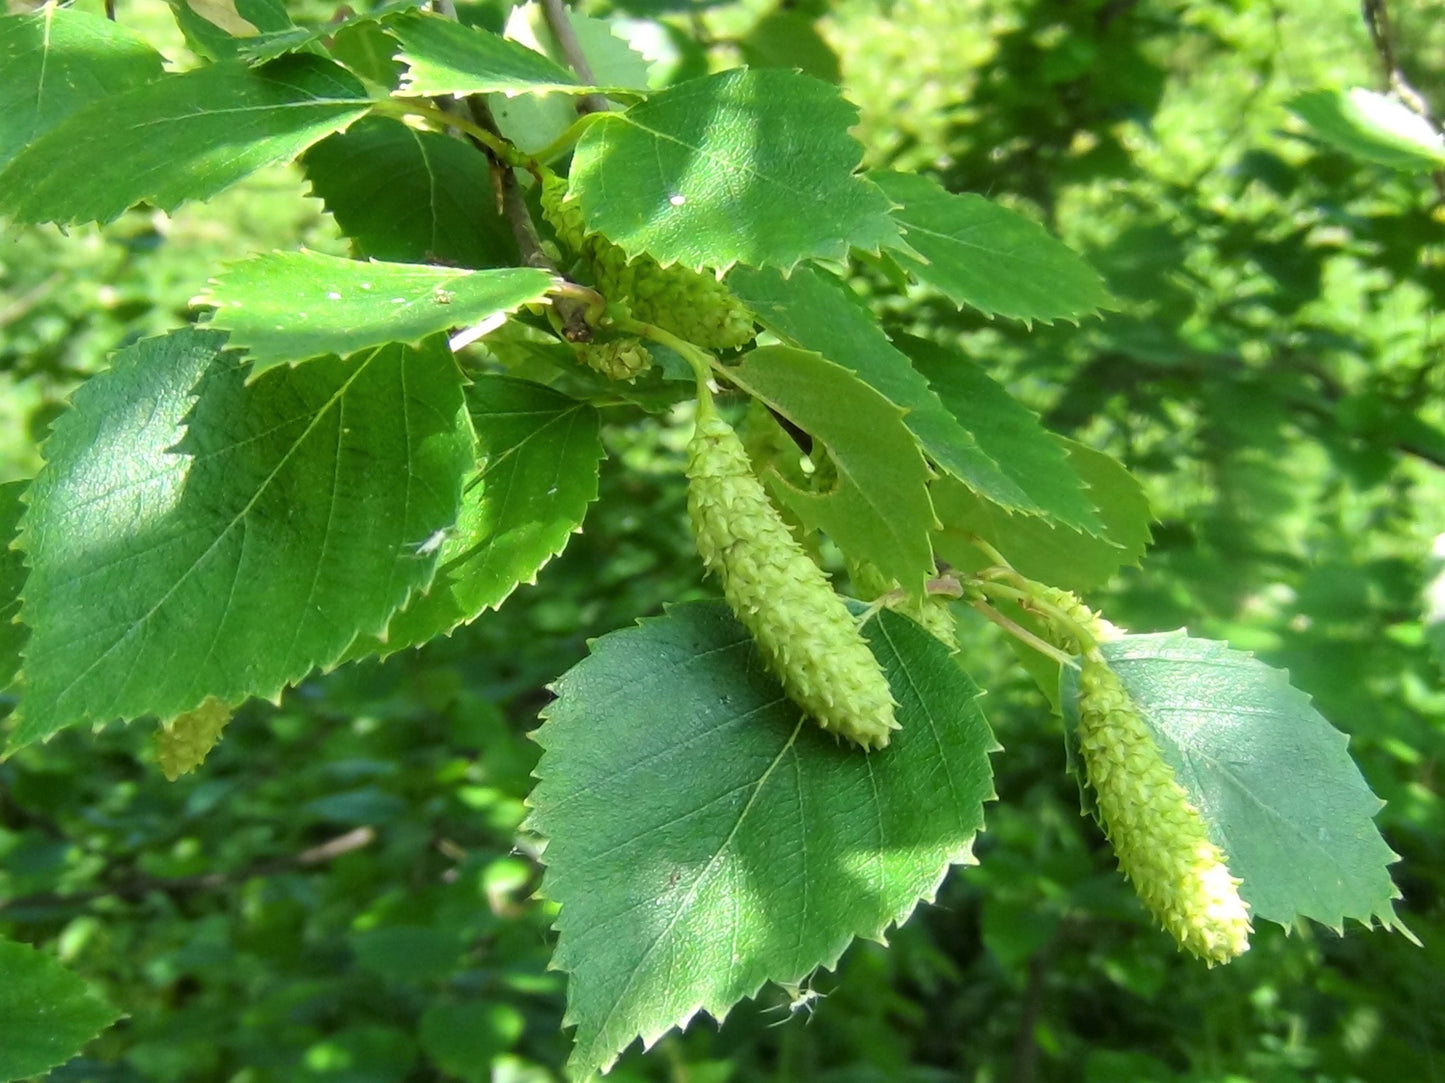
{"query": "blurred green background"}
pixel 341 892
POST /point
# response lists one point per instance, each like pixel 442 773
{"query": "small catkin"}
pixel 1060 634
pixel 931 611
pixel 1158 836
pixel 183 745
pixel 806 634
pixel 689 304
pixel 620 359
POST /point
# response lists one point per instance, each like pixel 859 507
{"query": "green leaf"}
pixel 1010 435
pixel 58 60
pixel 221 538
pixel 703 838
pixel 444 57
pixel 46 1013
pixel 1058 555
pixel 789 39
pixel 219 28
pixel 977 253
pixel 268 46
pixel 1373 128
pixel 462 1039
pixel 815 311
pixel 1278 792
pixel 538 459
pixel 290 306
pixel 181 137
pixel 410 196
pixel 879 509
pixel 12 581
pixel 753 167
pixel 535 121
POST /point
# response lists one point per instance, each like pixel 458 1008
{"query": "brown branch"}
pixel 140 886
pixel 572 312
pixel 562 29
pixel 1377 21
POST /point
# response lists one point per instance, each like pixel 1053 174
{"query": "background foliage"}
pixel 342 894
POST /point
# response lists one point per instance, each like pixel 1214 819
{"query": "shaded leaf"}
pixel 534 121
pixel 537 473
pixel 268 46
pixel 46 1013
pixel 222 539
pixel 752 167
pixel 878 510
pixel 703 838
pixel 444 57
pixel 815 311
pixel 461 1039
pixel 180 137
pixel 1055 554
pixel 789 39
pixel 1278 792
pixel 977 253
pixel 1010 434
pixel 290 306
pixel 410 196
pixel 12 581
pixel 58 60
pixel 219 28
pixel 1373 128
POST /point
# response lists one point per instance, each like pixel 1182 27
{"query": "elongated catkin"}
pixel 801 625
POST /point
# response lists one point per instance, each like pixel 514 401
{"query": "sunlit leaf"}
pixel 179 137
pixel 194 535
pixel 752 167
pixel 58 60
pixel 703 838
pixel 290 306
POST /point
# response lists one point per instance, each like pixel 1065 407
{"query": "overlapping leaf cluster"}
pixel 313 477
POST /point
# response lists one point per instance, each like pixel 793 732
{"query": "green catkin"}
pixel 1061 634
pixel 620 359
pixel 691 305
pixel 806 634
pixel 183 745
pixel 1157 834
pixel 931 611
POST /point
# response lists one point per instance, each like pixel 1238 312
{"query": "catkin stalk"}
pixel 806 634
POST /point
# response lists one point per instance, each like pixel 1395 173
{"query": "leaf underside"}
pixel 1278 791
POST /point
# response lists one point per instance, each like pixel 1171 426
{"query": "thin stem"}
pixel 701 361
pixel 1377 21
pixel 1023 635
pixel 1029 600
pixel 441 120
pixel 556 15
pixel 564 142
